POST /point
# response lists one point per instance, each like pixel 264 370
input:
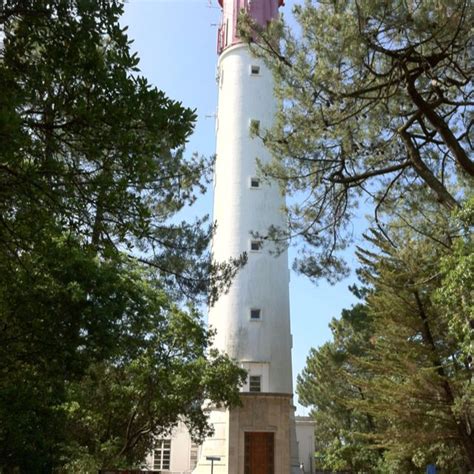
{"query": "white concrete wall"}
pixel 262 347
pixel 306 443
pixel 240 210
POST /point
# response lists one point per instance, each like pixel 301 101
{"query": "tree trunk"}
pixel 441 127
pixel 444 197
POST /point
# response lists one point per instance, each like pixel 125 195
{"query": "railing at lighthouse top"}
pixel 221 38
pixel 261 11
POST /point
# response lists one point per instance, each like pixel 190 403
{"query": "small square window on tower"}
pixel 254 182
pixel 255 383
pixel 255 314
pixel 254 70
pixel 255 245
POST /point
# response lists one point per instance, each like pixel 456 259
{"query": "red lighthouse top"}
pixel 261 11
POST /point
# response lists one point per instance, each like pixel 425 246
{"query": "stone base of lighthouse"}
pixel 259 437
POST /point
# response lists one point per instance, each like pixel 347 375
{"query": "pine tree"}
pixel 405 361
pixel 327 386
pixel 375 102
pixel 418 373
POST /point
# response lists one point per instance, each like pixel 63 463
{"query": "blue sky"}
pixel 176 43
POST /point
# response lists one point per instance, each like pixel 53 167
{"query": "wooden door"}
pixel 259 453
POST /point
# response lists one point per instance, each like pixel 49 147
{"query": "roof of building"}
pixel 304 419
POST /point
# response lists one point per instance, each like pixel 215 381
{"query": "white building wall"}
pixel 262 347
pixel 240 211
pixel 181 446
pixel 306 443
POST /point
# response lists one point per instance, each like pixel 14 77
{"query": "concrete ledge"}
pixel 289 396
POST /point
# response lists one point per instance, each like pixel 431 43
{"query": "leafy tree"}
pixel 327 386
pixel 92 173
pixel 166 374
pixel 97 361
pixel 375 103
pixel 91 147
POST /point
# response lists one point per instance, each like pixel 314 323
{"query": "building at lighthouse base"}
pixel 258 436
pixel 177 454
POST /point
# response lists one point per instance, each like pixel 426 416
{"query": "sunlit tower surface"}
pixel 253 319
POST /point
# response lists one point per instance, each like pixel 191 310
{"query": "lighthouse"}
pixel 252 320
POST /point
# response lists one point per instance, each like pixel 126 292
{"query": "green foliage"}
pixel 92 147
pixel 118 408
pixel 327 384
pixel 455 294
pixel 417 375
pixel 409 356
pixel 375 104
pixel 95 358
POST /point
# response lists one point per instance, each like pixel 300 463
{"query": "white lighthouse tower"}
pixel 252 320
